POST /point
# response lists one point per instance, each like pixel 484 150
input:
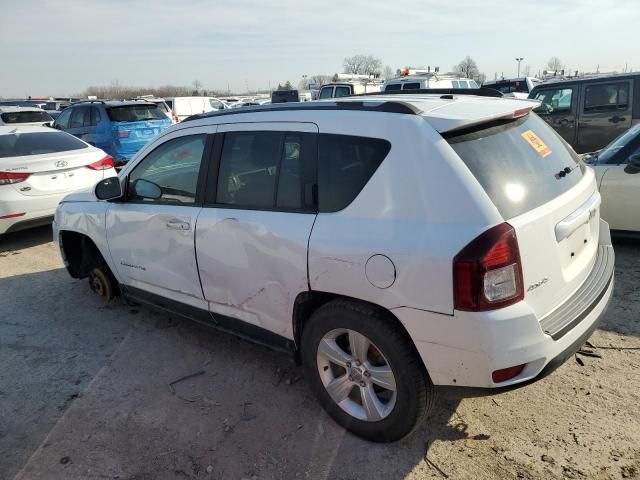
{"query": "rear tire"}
pixel 365 371
pixel 102 283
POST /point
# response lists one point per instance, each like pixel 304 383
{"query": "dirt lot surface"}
pixel 85 394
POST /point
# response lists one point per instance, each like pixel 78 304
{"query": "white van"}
pixel 184 107
pixel 423 81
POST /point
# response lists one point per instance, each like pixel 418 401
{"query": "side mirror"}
pixel 108 189
pixel 142 188
pixel 633 165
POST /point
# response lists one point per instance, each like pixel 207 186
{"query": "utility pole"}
pixel 519 59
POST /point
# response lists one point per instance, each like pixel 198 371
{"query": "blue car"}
pixel 120 128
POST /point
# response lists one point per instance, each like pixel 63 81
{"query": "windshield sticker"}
pixel 537 144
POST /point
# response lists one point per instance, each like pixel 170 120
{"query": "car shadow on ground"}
pixel 25 239
pixel 105 374
pixel 620 317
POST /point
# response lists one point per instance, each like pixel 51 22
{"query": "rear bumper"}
pixel 37 211
pixel 462 351
pixel 466 392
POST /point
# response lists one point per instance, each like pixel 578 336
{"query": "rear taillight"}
pixel 103 164
pixel 7 178
pixel 123 134
pixel 175 117
pixel 487 273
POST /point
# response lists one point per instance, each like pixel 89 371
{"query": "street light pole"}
pixel 519 59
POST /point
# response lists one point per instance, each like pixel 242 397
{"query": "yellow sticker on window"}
pixel 537 144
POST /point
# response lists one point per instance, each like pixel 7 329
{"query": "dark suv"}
pixel 590 112
pixel 120 128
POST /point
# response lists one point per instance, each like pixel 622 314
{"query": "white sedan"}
pixel 38 167
pixel 617 168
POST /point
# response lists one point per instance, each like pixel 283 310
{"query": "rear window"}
pixel 391 87
pixel 26 117
pixel 513 86
pixel 25 144
pixel 345 165
pixel 517 162
pixel 411 86
pixel 135 113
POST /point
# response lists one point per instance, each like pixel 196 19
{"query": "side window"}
pixel 94 117
pixel 326 92
pixel 342 92
pixel 169 174
pixel 289 183
pixel 63 119
pixel 79 116
pixel 411 86
pixel 455 84
pixel 392 87
pixel 554 100
pixel 261 170
pixel 215 104
pixel 345 165
pixel 606 97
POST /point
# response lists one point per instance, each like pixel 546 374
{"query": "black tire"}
pixel 414 391
pixel 102 283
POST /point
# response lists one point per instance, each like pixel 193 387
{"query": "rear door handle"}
pixel 178 225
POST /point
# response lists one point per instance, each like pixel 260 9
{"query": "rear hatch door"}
pixel 546 193
pixel 133 126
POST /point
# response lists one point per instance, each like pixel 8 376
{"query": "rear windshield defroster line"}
pixel 516 162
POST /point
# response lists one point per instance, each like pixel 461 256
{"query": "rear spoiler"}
pixel 481 92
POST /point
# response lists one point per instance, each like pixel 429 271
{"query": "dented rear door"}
pixel 253 232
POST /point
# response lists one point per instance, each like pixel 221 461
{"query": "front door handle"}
pixel 617 119
pixel 178 225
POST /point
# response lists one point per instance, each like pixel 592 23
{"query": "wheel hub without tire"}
pixel 356 375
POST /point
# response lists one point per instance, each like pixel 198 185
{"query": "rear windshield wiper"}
pixel 565 171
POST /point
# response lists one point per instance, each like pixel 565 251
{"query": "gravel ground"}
pixel 85 394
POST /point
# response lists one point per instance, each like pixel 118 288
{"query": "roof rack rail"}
pixel 481 92
pixel 370 106
pixel 85 101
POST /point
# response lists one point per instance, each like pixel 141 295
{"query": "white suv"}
pixel 397 245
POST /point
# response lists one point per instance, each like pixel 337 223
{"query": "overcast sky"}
pixel 57 47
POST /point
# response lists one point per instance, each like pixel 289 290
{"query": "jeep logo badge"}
pixel 61 163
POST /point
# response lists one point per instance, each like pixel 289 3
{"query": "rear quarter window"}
pixel 517 162
pixel 345 165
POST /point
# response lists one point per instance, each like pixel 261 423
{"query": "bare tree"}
pixel 388 73
pixel 555 64
pixel 319 80
pixel 526 71
pixel 362 65
pixel 116 91
pixel 467 67
pixel 197 85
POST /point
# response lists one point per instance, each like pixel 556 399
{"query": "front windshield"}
pixel 619 143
